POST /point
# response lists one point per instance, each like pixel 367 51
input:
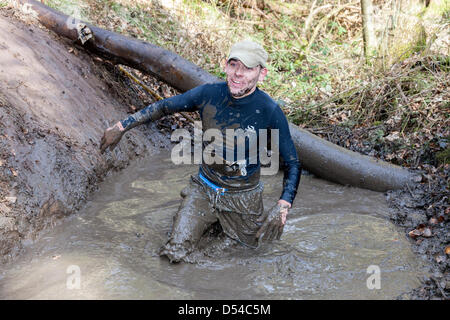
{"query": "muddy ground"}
pixel 55 102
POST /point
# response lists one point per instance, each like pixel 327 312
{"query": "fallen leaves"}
pixel 414 233
pixel 73 51
pixel 440 258
pixel 433 220
pixel 421 231
pixel 393 136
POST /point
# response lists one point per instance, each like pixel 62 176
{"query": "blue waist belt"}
pixel 217 189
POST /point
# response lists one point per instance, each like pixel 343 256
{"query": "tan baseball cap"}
pixel 250 53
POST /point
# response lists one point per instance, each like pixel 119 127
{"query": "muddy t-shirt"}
pixel 234 134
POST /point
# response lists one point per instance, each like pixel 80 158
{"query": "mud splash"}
pixel 333 235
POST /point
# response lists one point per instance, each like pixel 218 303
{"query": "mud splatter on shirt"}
pixel 243 120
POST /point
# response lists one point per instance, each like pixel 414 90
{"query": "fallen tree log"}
pixel 334 163
pixel 320 157
pixel 163 64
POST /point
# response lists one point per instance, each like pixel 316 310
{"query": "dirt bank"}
pixel 55 102
pixel 423 211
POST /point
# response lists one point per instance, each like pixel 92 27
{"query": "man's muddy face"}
pixel 242 80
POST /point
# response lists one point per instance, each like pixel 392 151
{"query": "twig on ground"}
pixel 153 93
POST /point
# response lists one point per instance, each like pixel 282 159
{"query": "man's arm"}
pixel 188 101
pixel 292 166
pixel 275 218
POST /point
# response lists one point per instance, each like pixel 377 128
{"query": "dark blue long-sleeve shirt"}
pixel 220 111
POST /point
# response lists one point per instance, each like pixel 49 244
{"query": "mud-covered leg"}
pixel 240 214
pixel 193 217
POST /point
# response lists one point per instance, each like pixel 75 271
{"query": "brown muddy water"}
pixel 333 237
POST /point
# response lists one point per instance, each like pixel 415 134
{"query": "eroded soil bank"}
pixel 55 102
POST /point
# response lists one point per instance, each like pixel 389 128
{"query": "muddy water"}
pixel 108 250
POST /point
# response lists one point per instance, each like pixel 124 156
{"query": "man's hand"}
pixel 274 222
pixel 111 137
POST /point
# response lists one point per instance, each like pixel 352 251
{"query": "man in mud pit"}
pixel 227 189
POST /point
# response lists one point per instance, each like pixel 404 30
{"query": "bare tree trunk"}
pixel 404 31
pixel 370 40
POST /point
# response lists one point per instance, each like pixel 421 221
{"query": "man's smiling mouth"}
pixel 237 82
